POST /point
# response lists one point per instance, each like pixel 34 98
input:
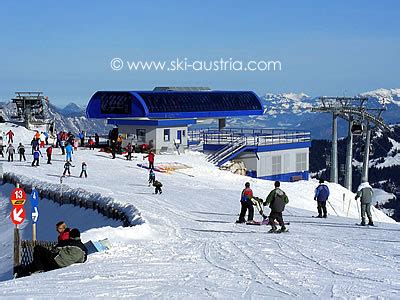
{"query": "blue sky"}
pixel 325 47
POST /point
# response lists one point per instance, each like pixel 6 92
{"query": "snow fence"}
pixel 128 214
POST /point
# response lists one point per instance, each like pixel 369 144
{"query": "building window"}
pixel 301 162
pixel 276 165
pixel 166 135
pixel 141 135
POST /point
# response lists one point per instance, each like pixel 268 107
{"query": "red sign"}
pixel 17 215
pixel 18 197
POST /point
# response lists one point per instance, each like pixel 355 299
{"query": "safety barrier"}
pixel 126 213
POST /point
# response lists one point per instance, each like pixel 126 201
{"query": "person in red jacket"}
pixel 10 135
pixel 246 204
pixel 49 152
pixel 150 158
pixel 63 231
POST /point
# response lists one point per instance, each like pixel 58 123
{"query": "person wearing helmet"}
pixel 246 204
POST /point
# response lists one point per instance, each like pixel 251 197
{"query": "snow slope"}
pixel 189 246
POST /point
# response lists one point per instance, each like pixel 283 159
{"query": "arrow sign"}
pixel 18 215
pixel 34 198
pixel 35 214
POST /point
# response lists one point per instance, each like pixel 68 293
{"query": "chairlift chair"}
pixel 356 128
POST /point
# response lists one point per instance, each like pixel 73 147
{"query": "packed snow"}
pixel 189 245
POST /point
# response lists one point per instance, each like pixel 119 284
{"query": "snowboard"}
pixel 98 246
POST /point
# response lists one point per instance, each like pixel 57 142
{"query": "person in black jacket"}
pixel 21 152
pixel 277 199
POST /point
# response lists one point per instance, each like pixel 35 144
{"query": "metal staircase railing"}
pixel 225 152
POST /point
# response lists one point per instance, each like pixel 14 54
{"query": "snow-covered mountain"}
pixel 70 118
pixel 292 111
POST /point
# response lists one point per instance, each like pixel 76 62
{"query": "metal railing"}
pixel 251 137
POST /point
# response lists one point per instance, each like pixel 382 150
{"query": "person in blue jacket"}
pixel 69 151
pixel 321 196
pixel 36 155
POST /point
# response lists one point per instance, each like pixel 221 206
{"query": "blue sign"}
pixel 34 198
pixel 34 204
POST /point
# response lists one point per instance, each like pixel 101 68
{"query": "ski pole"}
pixel 348 208
pixel 333 208
pixel 358 208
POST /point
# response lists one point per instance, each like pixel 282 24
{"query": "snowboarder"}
pixel 11 152
pixel 10 135
pixel 69 151
pixel 150 158
pixel 365 193
pixel 152 177
pixel 67 167
pixel 321 196
pixel 36 154
pixel 21 152
pixel 49 152
pixel 157 186
pixel 129 149
pixel 246 204
pixel 68 252
pixel 84 168
pixel 277 199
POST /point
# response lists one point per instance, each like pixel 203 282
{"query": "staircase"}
pixel 228 152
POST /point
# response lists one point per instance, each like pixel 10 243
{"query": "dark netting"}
pixel 195 102
pixel 27 249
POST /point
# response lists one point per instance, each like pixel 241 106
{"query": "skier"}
pixel 62 146
pixel 365 193
pixel 97 140
pixel 246 204
pixel 321 196
pixel 1 147
pixel 42 140
pixel 46 135
pixel 75 144
pixel 129 148
pixel 36 154
pixel 11 152
pixel 21 152
pixel 10 135
pixel 81 136
pixel 158 186
pixel 91 143
pixel 152 177
pixel 49 152
pixel 84 168
pixel 69 151
pixel 277 199
pixel 258 202
pixel 150 158
pixel 67 167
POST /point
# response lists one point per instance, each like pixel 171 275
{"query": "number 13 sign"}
pixel 18 197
